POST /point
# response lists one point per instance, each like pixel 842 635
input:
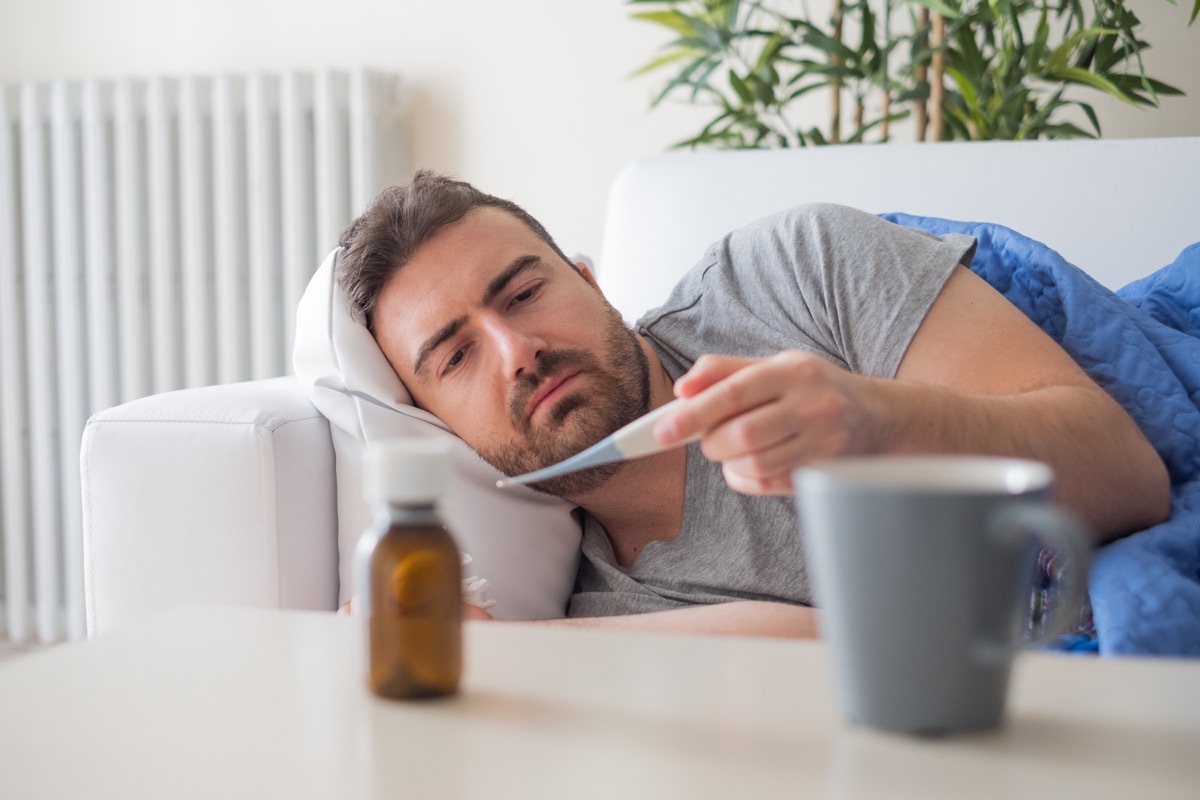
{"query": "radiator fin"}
pixel 154 235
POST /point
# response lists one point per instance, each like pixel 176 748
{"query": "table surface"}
pixel 260 704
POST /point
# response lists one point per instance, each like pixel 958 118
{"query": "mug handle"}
pixel 1060 531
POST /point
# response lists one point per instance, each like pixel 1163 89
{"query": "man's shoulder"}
pixel 807 215
pixel 762 249
pixel 758 269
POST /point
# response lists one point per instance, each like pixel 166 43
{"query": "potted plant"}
pixel 959 69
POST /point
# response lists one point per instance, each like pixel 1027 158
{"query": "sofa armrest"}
pixel 220 495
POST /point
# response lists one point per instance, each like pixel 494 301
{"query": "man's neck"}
pixel 642 502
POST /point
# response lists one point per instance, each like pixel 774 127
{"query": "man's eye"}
pixel 526 295
pixel 455 359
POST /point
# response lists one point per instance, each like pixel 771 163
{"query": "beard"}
pixel 619 395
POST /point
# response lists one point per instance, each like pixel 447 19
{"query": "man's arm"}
pixel 739 618
pixel 978 377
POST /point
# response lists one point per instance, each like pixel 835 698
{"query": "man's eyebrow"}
pixel 497 284
pixel 435 341
pixel 494 288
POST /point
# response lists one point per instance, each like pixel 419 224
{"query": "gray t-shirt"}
pixel 822 278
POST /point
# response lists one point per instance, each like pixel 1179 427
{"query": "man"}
pixel 816 333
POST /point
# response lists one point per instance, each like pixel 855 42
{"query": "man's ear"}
pixel 583 269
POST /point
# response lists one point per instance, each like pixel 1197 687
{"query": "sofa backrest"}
pixel 1119 209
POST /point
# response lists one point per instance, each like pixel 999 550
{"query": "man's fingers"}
pixel 732 386
pixel 780 484
pixel 769 462
pixel 707 370
pixel 756 431
pixel 471 611
pixel 769 471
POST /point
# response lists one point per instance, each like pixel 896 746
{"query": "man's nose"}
pixel 519 349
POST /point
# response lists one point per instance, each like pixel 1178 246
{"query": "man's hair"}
pixel 401 219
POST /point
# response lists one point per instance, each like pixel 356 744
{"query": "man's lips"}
pixel 550 390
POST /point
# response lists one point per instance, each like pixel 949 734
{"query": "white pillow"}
pixel 525 544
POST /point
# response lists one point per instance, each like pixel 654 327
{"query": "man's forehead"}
pixel 477 246
pixel 448 275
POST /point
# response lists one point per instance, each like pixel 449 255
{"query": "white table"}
pixel 223 703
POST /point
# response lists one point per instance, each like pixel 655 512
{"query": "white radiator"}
pixel 154 235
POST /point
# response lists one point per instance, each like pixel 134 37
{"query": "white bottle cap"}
pixel 407 471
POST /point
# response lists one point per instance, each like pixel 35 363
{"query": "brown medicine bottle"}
pixel 409 575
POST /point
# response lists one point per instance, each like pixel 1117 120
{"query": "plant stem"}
pixel 835 86
pixel 922 76
pixel 887 57
pixel 937 39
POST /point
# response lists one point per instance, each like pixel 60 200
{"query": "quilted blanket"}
pixel 1142 345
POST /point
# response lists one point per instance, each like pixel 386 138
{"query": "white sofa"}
pixel 226 494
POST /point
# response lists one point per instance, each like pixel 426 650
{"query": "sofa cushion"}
pixel 525 544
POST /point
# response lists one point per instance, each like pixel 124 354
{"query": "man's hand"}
pixel 469 611
pixel 476 613
pixel 737 618
pixel 766 417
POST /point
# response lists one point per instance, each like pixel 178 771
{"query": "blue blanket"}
pixel 1142 344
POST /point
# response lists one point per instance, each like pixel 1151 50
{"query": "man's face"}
pixel 512 348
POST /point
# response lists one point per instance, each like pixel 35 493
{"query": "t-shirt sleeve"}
pixel 857 284
pixel 843 283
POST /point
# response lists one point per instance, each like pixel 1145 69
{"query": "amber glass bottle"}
pixel 409 577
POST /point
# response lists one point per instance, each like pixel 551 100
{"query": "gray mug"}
pixel 923 568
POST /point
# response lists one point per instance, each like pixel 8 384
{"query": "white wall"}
pixel 528 99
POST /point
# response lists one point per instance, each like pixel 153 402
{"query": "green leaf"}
pixel 701 82
pixel 969 92
pixel 961 120
pixel 1064 130
pixel 662 61
pixel 870 126
pixel 1039 118
pixel 940 6
pixel 1195 12
pixel 955 128
pixel 710 133
pixel 684 78
pixel 731 8
pixel 757 33
pixel 773 76
pixel 763 91
pixel 917 93
pixel 803 90
pixel 972 111
pixel 676 21
pixel 1082 76
pixel 1129 82
pixel 769 51
pixel 698 43
pixel 827 44
pixel 740 87
pixel 716 121
pixel 1091 115
pixel 1041 37
pixel 1105 54
pixel 1059 55
pixel 969 57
